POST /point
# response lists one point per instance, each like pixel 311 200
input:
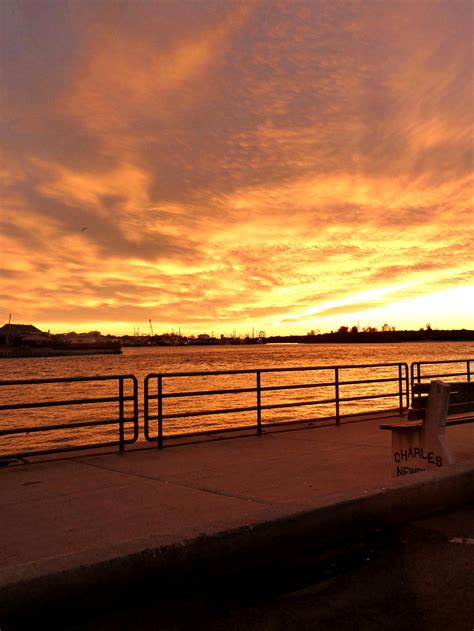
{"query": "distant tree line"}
pixel 354 335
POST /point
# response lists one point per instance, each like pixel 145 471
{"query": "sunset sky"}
pixel 218 165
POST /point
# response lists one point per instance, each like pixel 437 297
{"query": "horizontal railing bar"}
pixel 26 382
pixel 205 432
pixel 240 428
pixel 72 425
pixel 205 413
pixel 197 393
pixel 443 361
pixel 269 406
pixel 204 373
pixel 268 370
pixel 46 404
pixel 272 406
pixel 369 396
pixel 363 381
pixel 275 406
pixel 299 386
pixel 318 419
pixel 46 452
pixel 452 374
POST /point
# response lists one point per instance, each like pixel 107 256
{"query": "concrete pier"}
pixel 90 525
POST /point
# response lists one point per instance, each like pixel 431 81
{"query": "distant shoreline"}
pixel 344 335
pixel 377 337
pixel 18 353
pixel 362 337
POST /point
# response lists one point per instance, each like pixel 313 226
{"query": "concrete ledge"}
pixel 106 576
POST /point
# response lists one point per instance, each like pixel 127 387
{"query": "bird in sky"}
pixel 84 228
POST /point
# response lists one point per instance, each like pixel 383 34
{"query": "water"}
pixel 142 361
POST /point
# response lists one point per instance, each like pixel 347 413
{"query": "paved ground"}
pixel 418 576
pixel 90 519
pixel 82 504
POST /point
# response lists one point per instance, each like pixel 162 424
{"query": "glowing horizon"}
pixel 278 166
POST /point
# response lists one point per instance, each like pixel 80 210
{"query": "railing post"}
pixel 121 420
pixel 259 405
pixel 160 412
pixel 468 372
pixel 412 376
pixel 145 408
pixel 336 383
pixel 135 408
pixel 407 390
pixel 400 390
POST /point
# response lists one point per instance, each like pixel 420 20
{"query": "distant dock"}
pixel 26 340
pixel 52 352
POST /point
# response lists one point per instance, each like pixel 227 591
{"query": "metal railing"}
pixel 121 419
pixel 463 368
pixel 337 383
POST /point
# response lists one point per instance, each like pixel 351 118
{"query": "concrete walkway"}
pixel 66 524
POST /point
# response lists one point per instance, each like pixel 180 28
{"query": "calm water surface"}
pixel 142 361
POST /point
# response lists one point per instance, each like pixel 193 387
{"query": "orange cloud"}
pixel 236 163
pixel 126 78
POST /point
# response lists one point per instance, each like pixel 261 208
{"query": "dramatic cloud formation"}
pixel 228 165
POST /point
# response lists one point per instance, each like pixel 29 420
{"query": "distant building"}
pixel 78 338
pixel 14 334
pixel 19 329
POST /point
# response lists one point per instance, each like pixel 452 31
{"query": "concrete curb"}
pixel 106 577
